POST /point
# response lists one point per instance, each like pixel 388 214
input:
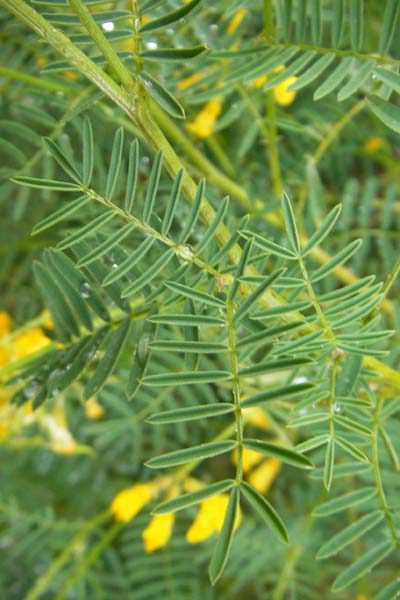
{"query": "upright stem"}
pixel 230 313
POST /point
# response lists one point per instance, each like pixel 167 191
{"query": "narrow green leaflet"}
pixel 219 216
pixel 173 54
pixel 385 111
pixel 267 334
pixel 152 187
pixel 348 535
pixel 172 203
pixel 162 95
pixel 290 223
pixel 390 592
pixel 341 257
pixel 323 230
pixel 390 21
pixel 169 18
pixel 363 565
pixel 335 78
pixel 274 366
pixel 201 452
pixel 188 346
pixel 268 246
pixel 107 364
pixel 357 24
pixel 281 392
pixel 351 449
pixel 347 290
pixel 129 262
pixel 106 246
pixel 88 153
pixel 265 510
pixel 355 82
pixel 314 71
pixel 391 78
pixel 63 160
pixel 193 294
pixel 222 547
pixel 329 464
pixel 284 454
pixel 132 177
pixel 337 22
pixel 246 306
pixel 344 502
pixel 61 214
pixel 86 231
pixel 185 320
pixel 241 266
pixel 186 377
pixel 115 163
pixel 47 184
pixel 191 413
pixel 149 275
pixel 141 359
pixel 194 212
pixel 194 497
pixel 276 311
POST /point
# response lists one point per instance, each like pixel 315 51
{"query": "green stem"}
pixel 42 583
pixel 378 477
pixel 230 313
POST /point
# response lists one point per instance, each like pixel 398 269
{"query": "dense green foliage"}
pixel 207 244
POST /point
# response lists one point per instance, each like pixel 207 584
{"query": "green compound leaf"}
pixel 47 184
pixel 194 497
pixel 265 510
pixel 201 452
pixel 385 111
pixel 344 502
pixel 290 222
pixel 63 160
pixel 173 54
pixel 188 346
pixel 321 233
pixel 268 246
pixel 221 551
pixel 193 294
pixel 281 392
pixel 61 214
pixel 115 163
pixel 88 153
pixel 162 95
pixel 186 320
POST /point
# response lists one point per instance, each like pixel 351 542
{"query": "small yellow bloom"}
pixel 93 409
pixel 249 458
pixel 263 476
pixel 373 144
pixel 30 342
pixel 204 123
pixel 127 503
pixel 5 322
pixel 5 356
pixel 188 81
pixel 158 532
pixel 257 417
pixel 129 45
pixel 361 597
pixel 259 81
pixel 41 61
pixel 282 95
pixel 237 19
pixel 71 75
pixel 210 519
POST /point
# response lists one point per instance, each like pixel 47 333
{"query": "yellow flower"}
pixel 158 532
pixel 257 417
pixel 71 75
pixel 210 519
pixel 93 409
pixel 30 342
pixel 259 81
pixel 5 322
pixel 5 356
pixel 373 144
pixel 127 503
pixel 204 123
pixel 249 459
pixel 188 81
pixel 263 476
pixel 41 61
pixel 282 95
pixel 237 19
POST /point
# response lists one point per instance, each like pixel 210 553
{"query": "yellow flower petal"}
pixel 373 144
pixel 30 342
pixel 210 519
pixel 237 19
pixel 282 95
pixel 188 81
pixel 5 322
pixel 263 476
pixel 127 503
pixel 249 458
pixel 93 409
pixel 257 417
pixel 204 123
pixel 158 533
pixel 259 81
